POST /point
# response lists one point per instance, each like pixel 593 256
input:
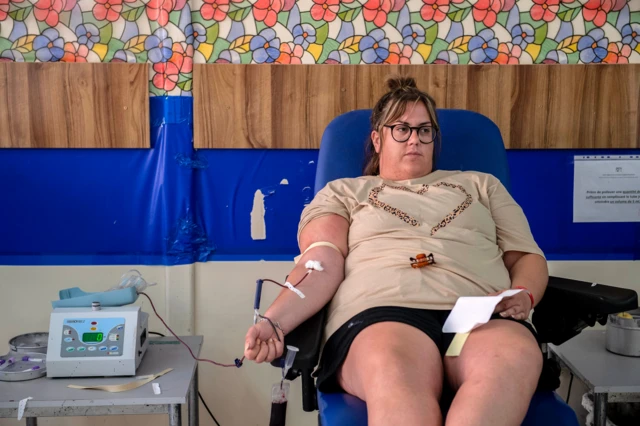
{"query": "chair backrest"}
pixel 470 141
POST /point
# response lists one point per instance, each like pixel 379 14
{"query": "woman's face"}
pixel 405 160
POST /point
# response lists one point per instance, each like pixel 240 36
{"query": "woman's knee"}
pixel 504 353
pixel 524 364
pixel 389 357
pixel 522 359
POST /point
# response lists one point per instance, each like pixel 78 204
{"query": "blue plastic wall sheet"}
pixel 103 206
pixel 542 183
pixel 225 198
pixel 174 205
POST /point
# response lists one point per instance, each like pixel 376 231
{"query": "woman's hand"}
pixel 262 344
pixel 517 306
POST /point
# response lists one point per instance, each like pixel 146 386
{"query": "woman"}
pixel 384 331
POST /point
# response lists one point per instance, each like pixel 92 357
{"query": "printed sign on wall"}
pixel 606 188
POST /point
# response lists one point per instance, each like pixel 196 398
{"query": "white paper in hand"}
pixel 471 312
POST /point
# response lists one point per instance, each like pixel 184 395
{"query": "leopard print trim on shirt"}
pixel 405 217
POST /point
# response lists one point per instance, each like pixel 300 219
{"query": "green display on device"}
pixel 92 337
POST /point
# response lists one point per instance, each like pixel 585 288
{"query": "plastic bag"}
pixel 132 278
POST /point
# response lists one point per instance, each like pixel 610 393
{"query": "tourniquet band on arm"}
pixel 318 244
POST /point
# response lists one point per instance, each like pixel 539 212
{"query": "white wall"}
pixel 215 300
pixel 224 312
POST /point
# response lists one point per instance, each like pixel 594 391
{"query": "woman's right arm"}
pixel 289 310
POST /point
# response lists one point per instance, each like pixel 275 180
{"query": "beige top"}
pixel 466 219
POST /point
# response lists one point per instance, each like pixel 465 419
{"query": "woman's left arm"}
pixel 521 255
pixel 526 270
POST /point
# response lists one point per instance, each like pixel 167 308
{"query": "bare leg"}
pixel 397 370
pixel 495 376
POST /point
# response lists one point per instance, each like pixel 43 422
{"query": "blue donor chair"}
pixel 470 141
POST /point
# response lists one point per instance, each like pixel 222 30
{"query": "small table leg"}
pixel 175 415
pixel 600 409
pixel 194 419
pixel 32 421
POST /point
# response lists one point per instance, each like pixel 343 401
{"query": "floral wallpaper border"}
pixel 172 34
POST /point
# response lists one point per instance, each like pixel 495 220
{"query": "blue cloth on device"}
pixel 76 298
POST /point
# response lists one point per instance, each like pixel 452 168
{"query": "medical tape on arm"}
pixel 295 290
pixel 318 244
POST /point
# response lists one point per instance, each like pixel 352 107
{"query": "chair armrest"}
pixel 594 297
pixel 569 306
pixel 307 337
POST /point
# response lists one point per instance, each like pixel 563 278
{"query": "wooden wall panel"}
pixel 529 112
pixel 61 105
pixel 535 106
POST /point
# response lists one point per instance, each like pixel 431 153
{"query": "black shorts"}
pixel 428 321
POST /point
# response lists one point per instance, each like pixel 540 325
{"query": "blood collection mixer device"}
pixel 90 342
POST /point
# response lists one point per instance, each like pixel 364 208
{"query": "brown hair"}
pixel 402 91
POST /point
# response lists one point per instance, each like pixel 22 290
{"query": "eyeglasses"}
pixel 402 133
